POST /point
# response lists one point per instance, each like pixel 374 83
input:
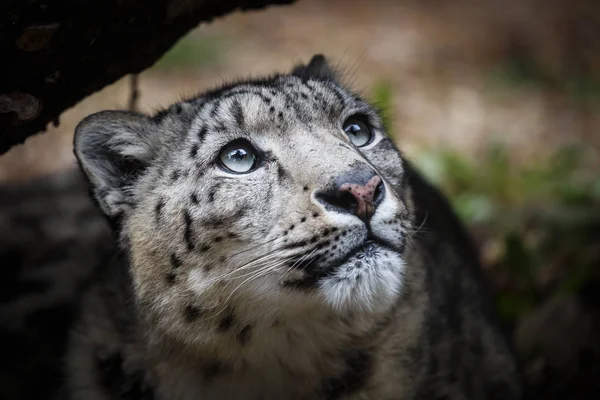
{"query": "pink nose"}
pixel 364 196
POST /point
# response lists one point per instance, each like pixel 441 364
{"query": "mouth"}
pixel 362 250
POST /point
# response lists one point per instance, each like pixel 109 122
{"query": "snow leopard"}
pixel 273 243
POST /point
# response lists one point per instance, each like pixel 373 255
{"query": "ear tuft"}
pixel 318 67
pixel 113 148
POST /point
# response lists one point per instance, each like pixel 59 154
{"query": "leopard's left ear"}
pixel 113 149
pixel 318 67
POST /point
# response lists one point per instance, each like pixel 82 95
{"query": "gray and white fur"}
pixel 272 284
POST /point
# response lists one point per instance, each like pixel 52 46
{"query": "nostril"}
pixel 342 201
pixel 379 193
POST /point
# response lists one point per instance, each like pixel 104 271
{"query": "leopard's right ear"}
pixel 113 149
pixel 318 67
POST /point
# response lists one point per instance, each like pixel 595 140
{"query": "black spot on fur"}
pixel 244 335
pixel 213 369
pixel 171 276
pixel 205 247
pixel 158 209
pixel 211 196
pixel 215 109
pixel 202 133
pixel 359 366
pixel 175 261
pixel 175 175
pixel 191 313
pixel 194 150
pixel 187 234
pixel 194 198
pixel 118 383
pixel 226 322
pixel 272 109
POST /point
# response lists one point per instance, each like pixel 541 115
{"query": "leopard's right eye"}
pixel 238 157
pixel 358 131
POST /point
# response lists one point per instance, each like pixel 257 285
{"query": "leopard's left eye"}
pixel 358 131
pixel 238 157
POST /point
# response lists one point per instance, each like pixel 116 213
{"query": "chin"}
pixel 368 282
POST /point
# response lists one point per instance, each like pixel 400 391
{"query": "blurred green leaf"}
pixel 381 97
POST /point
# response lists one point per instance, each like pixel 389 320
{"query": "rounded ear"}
pixel 318 67
pixel 113 148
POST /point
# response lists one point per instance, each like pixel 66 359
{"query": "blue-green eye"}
pixel 358 131
pixel 238 156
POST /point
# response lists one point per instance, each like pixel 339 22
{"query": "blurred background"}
pixel 497 102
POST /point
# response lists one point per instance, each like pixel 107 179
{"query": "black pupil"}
pixel 238 154
pixel 353 128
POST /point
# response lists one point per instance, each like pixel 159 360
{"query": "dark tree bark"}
pixel 56 52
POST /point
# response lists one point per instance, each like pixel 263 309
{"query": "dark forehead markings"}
pixel 202 133
pixel 338 94
pixel 215 108
pixel 299 111
pixel 235 92
pixel 357 370
pixel 238 113
pixel 187 233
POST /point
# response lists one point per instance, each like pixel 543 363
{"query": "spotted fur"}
pixel 256 285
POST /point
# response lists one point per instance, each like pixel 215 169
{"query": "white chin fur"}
pixel 369 283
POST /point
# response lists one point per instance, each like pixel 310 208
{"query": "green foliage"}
pixel 552 201
pixel 382 99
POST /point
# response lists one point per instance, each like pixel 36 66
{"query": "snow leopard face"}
pixel 257 201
